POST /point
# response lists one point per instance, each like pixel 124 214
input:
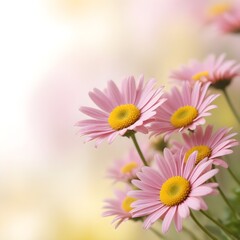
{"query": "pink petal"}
pixel 183 210
pixel 203 204
pixel 101 100
pixel 178 222
pixel 199 169
pixel 170 163
pixel 146 211
pixel 190 164
pixel 200 191
pixel 205 177
pixel 94 113
pixel 219 162
pixel 114 93
pixel 154 217
pixel 193 203
pixel 168 219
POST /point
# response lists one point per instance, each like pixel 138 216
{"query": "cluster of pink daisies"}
pixel 165 185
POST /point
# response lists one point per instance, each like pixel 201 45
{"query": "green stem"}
pixel 133 137
pixel 225 199
pixel 230 104
pixel 157 233
pixel 190 233
pixel 202 227
pixel 233 175
pixel 220 225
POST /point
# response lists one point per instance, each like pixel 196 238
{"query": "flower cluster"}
pixel 163 186
pixel 167 178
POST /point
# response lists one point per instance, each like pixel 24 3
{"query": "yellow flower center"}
pixel 123 116
pixel 129 167
pixel 218 9
pixel 200 75
pixel 174 191
pixel 203 151
pixel 183 116
pixel 126 203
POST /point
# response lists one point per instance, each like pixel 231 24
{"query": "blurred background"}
pixel 52 53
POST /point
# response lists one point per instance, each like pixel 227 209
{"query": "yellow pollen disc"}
pixel 218 9
pixel 203 151
pixel 129 167
pixel 183 116
pixel 123 116
pixel 174 191
pixel 126 203
pixel 200 75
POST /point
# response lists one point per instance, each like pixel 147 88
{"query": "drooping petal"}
pixel 168 219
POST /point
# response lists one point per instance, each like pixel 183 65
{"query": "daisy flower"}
pixel 119 207
pixel 170 191
pixel 230 21
pixel 208 144
pixel 225 17
pixel 125 169
pixel 216 70
pixel 131 108
pixel 183 110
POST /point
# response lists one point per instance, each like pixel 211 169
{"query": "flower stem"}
pixel 133 137
pixel 190 233
pixel 157 233
pixel 225 199
pixel 202 227
pixel 220 225
pixel 230 104
pixel 233 175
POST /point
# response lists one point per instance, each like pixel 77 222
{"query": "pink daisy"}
pixel 131 108
pixel 183 110
pixel 119 207
pixel 169 192
pixel 216 70
pixel 125 169
pixel 226 17
pixel 230 21
pixel 208 144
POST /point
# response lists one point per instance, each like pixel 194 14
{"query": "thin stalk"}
pixel 157 233
pixel 202 227
pixel 230 104
pixel 190 233
pixel 133 137
pixel 220 225
pixel 225 199
pixel 233 175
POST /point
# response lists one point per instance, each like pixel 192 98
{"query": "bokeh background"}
pixel 52 52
